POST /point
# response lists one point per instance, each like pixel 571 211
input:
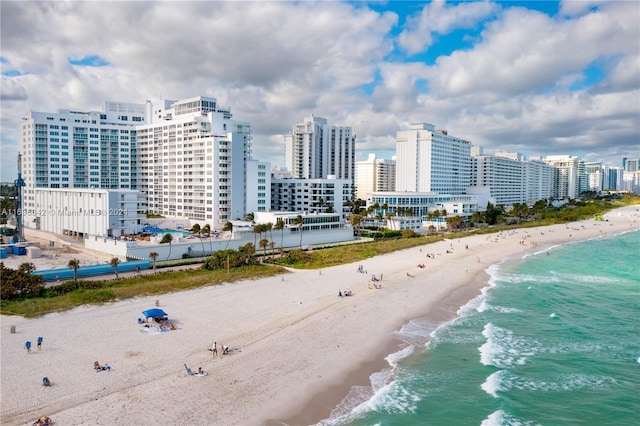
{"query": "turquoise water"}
pixel 554 340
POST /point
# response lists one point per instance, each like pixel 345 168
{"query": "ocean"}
pixel 554 339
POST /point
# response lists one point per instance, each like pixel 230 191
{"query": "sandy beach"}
pixel 297 348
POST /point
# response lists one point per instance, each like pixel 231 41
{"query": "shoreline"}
pixel 320 406
pixel 298 345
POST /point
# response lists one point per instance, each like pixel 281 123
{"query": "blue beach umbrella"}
pixel 154 313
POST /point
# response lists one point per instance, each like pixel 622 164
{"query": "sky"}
pixel 535 77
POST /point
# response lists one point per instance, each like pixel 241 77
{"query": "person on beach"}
pixel 40 339
pixel 214 349
pixel 27 346
pixel 46 381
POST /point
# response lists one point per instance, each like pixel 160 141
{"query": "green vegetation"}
pixel 75 293
pixel 349 253
pixel 24 294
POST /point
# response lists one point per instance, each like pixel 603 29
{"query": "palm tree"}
pixel 27 267
pixel 114 264
pixel 257 229
pixel 228 227
pixel 153 255
pixel 355 220
pixel 206 229
pixel 75 265
pixel 167 238
pixel 279 226
pixel 267 228
pixel 263 245
pixel 299 221
pixel 271 245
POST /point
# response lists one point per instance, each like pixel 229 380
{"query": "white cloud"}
pixel 438 17
pixel 274 63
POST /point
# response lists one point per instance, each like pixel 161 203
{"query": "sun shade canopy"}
pixel 154 313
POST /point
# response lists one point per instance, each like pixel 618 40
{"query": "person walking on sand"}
pixel 40 343
pixel 214 349
pixel 28 346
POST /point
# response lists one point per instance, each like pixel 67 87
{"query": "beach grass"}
pixel 124 288
pixel 145 285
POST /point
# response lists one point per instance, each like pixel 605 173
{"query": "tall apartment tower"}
pixel 375 175
pixel 316 150
pixel 429 160
pixel 511 177
pixel 570 179
pixel 631 174
pixel 79 149
pixel 595 176
pixel 611 177
pixel 193 160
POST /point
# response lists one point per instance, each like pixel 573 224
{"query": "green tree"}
pixel 114 264
pixel 263 245
pixel 454 222
pixel 279 226
pixel 167 238
pixel 27 267
pixel 75 265
pixel 228 227
pixel 299 221
pixel 153 256
pixel 18 284
pixel 355 220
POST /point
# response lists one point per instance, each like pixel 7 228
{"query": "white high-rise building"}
pixel 595 176
pixel 316 150
pixel 310 195
pixel 510 177
pixel 258 196
pixel 631 175
pixel 193 161
pixel 188 157
pixel 429 160
pixel 612 178
pixel 375 175
pixel 570 179
pixel 78 149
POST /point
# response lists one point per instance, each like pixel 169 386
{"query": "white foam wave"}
pixel 503 349
pixel 492 385
pixel 394 358
pixel 504 381
pixel 501 418
pixel 390 398
pixel 472 305
pixel 416 332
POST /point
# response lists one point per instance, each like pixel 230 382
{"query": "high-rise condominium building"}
pixel 188 157
pixel 316 150
pixel 570 179
pixel 631 174
pixel 193 160
pixel 595 176
pixel 511 177
pixel 430 160
pixel 375 175
pixel 77 149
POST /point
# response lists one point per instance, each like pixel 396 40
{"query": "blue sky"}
pixel 539 78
